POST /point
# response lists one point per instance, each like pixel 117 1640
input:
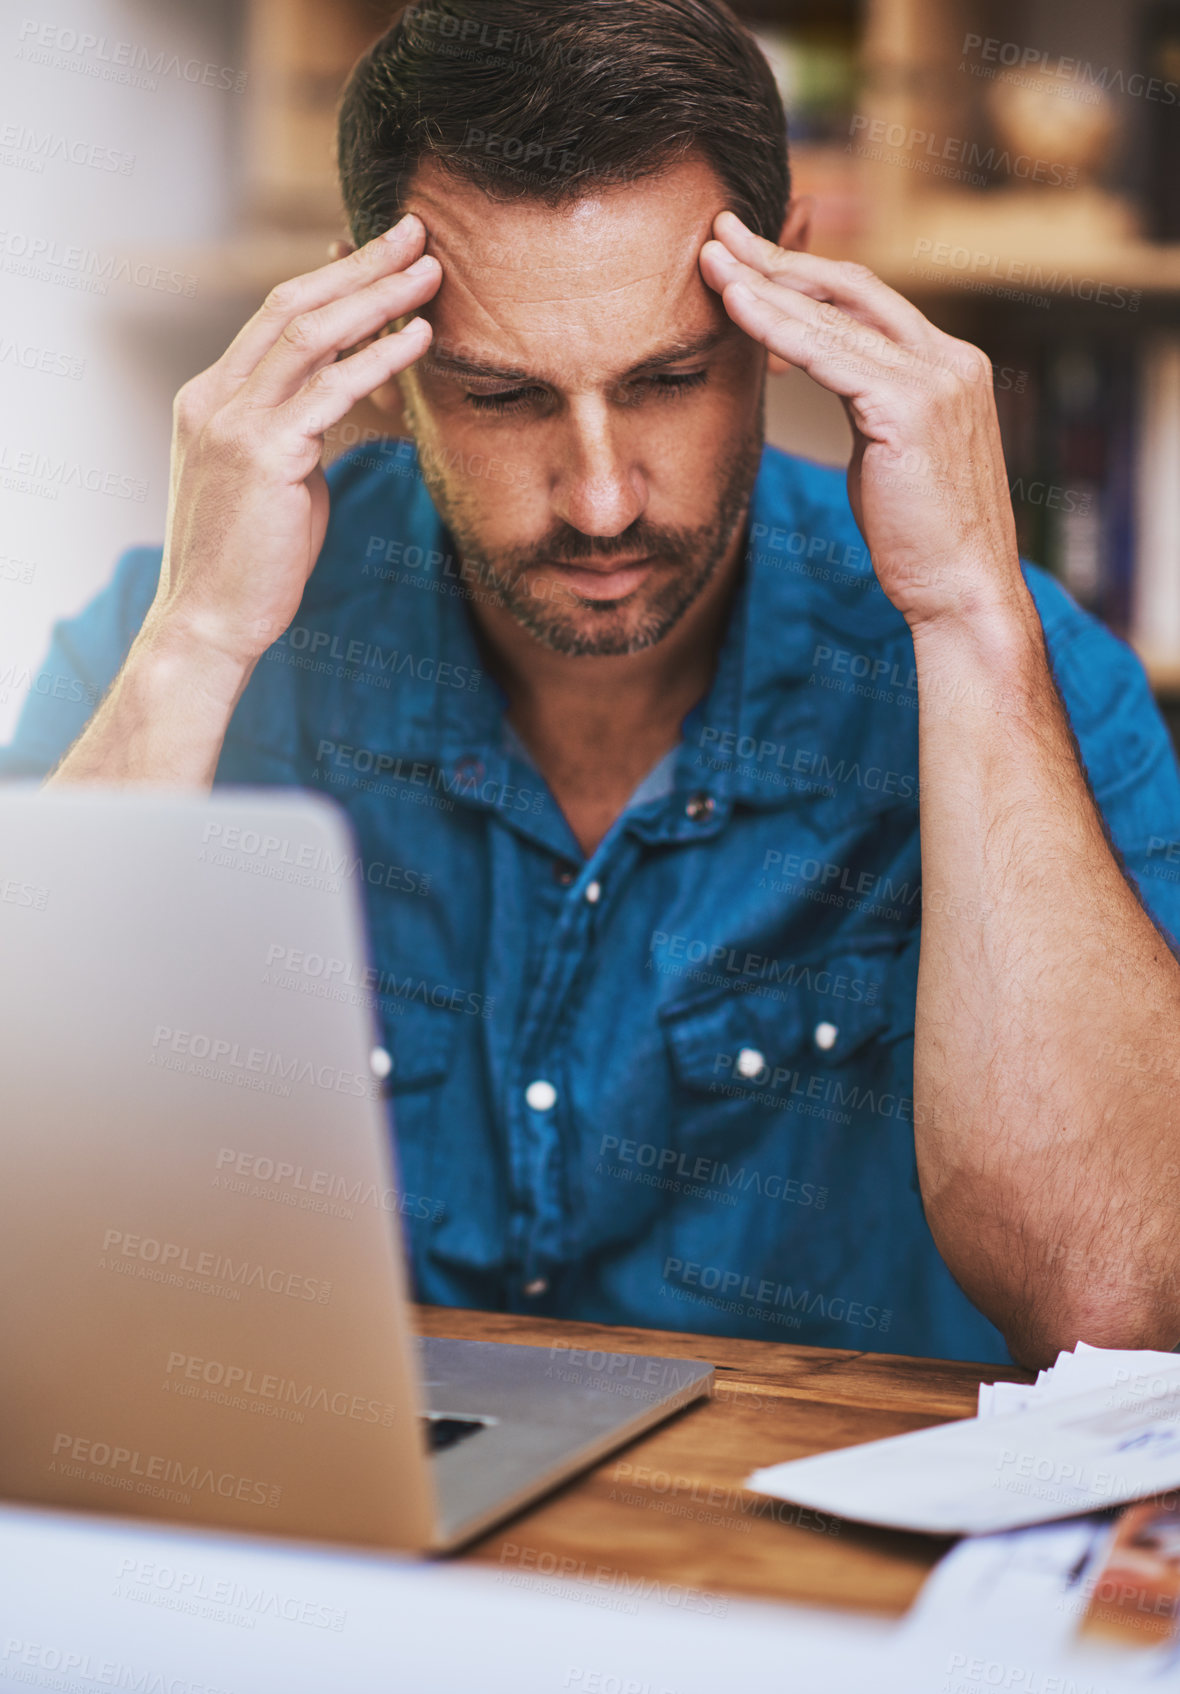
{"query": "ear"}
pixel 796 230
pixel 795 236
pixel 386 398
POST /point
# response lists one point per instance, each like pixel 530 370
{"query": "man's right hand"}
pixel 248 506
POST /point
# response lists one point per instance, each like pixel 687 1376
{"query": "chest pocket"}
pixel 420 1040
pixel 781 1054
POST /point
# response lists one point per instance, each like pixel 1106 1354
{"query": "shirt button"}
pixel 594 892
pixel 540 1096
pixel 562 874
pixel 700 808
pixel 536 1288
pixel 750 1063
pixel 380 1063
pixel 825 1036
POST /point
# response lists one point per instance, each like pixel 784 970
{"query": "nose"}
pixel 599 487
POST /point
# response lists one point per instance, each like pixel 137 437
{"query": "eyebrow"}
pixel 674 353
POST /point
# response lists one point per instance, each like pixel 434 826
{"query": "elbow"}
pixel 1036 1338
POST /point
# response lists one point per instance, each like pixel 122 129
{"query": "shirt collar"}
pixel 752 739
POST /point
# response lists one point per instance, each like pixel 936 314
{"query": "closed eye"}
pixel 516 399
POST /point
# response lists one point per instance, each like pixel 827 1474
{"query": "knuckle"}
pixel 300 335
pixel 188 408
pixel 855 272
pixel 282 300
pixel 223 436
pixel 324 382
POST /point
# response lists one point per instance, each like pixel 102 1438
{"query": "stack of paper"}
pixel 1099 1591
pixel 1100 1429
pixel 1105 1587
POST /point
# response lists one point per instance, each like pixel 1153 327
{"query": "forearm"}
pixel 165 717
pixel 1044 1167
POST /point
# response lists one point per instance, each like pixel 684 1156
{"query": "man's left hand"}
pixel 926 481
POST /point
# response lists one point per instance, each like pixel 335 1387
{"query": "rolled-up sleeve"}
pixel 1128 754
pixel 85 654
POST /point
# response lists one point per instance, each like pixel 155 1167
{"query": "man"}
pixel 630 720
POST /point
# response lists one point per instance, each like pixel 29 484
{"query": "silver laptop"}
pixel 204 1315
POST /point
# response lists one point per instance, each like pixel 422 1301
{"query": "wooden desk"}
pixel 671 1505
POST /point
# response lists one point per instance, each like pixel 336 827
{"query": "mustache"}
pixel 641 541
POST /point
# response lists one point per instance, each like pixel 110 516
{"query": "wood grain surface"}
pixel 670 1507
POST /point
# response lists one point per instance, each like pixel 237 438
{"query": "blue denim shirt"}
pixel 671 1084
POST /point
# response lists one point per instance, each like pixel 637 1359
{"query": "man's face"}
pixel 589 420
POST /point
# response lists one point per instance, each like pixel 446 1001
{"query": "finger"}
pixel 853 288
pixel 845 356
pixel 314 339
pixel 390 252
pixel 333 391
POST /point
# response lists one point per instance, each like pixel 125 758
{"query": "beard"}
pixel 685 561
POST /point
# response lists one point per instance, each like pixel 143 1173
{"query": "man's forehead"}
pixel 521 276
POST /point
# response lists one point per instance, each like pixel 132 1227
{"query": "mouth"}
pixel 613 581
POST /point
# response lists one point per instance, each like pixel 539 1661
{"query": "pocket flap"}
pixel 420 1040
pixel 823 1012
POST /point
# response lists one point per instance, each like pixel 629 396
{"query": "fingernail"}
pixel 398 227
pixel 421 266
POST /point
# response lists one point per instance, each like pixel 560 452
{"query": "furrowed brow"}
pixel 443 363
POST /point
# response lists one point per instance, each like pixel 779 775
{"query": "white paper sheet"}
pixel 1060 1453
pixel 997 1600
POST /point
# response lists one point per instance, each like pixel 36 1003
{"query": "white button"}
pixel 825 1036
pixel 750 1062
pixel 380 1063
pixel 541 1096
pixel 533 1289
pixel 594 892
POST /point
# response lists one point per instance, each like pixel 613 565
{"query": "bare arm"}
pixel 248 507
pixel 1050 1177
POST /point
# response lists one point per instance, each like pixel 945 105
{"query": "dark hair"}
pixel 547 99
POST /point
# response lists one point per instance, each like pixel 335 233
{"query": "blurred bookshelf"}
pixel 1032 210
